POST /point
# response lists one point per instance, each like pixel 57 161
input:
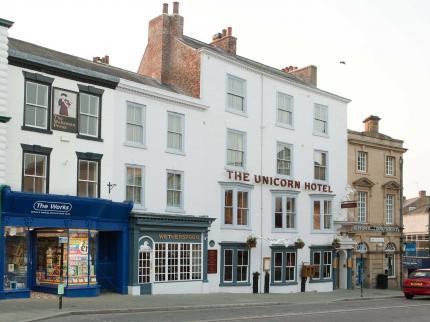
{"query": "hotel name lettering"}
pixel 179 236
pixel 278 182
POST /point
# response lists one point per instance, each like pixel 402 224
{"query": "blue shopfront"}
pixel 50 240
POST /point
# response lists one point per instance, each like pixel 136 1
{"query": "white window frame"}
pixel 97 116
pixel 142 277
pixel 325 167
pixel 244 143
pixel 390 162
pixel 362 161
pixel 244 97
pixel 87 181
pixel 241 265
pixel 181 133
pixel 235 190
pixel 45 171
pixel 290 147
pixel 232 265
pixel 284 196
pixel 37 106
pixel 177 249
pixel 362 204
pixel 325 265
pixel 142 187
pixel 181 207
pixel 322 215
pixel 389 209
pixel 289 110
pixel 131 123
pixel 281 268
pixel 290 266
pixel 319 119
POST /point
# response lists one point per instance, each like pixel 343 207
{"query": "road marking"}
pixel 239 318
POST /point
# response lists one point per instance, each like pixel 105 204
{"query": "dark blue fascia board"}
pixel 20 204
pixel 163 220
pixel 30 61
pixel 6 23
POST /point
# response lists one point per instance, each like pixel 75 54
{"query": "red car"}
pixel 418 283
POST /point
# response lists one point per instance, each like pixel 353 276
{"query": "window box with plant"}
pixel 299 243
pixel 251 241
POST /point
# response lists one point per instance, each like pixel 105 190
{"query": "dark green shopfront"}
pixel 166 250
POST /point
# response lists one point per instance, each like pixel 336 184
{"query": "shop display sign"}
pixel 388 229
pixel 51 208
pixel 376 239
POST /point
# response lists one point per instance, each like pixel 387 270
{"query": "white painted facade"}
pixel 203 160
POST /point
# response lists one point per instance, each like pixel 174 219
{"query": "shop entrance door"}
pixel 145 272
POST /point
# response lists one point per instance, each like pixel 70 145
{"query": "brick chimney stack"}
pixel 167 57
pixel 308 73
pixel 371 124
pixel 422 193
pixel 155 61
pixel 225 41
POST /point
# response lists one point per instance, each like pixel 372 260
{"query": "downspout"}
pixel 401 222
pixel 261 186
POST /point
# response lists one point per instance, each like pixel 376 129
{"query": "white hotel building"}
pixel 211 147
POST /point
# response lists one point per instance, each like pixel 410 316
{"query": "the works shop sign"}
pixel 278 182
pixel 51 208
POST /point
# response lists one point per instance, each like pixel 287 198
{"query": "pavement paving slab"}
pixel 40 308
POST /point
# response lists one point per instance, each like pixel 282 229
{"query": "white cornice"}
pixel 161 95
pixel 274 77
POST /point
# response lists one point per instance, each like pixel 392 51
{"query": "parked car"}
pixel 418 283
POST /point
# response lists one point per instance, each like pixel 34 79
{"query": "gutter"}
pixel 270 75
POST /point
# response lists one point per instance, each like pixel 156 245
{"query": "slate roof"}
pixel 28 51
pixel 197 44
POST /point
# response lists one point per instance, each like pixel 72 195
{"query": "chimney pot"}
pixel 371 124
pixel 229 31
pixel 422 193
pixel 175 7
pixel 96 59
pixel 165 8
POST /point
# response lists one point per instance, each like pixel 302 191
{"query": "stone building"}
pixel 416 232
pixel 374 172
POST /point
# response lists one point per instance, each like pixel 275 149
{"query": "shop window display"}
pixel 77 248
pixel 15 270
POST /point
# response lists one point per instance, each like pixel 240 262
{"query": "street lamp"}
pixel 362 249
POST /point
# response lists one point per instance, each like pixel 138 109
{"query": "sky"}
pixel 385 44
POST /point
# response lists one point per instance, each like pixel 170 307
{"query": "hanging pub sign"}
pixel 64 110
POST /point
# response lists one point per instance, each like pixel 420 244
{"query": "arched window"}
pixel 144 263
pixel 389 260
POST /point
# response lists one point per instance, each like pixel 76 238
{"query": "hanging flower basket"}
pixel 251 241
pixel 299 243
pixel 336 243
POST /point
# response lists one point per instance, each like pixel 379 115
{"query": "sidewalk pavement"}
pixel 37 309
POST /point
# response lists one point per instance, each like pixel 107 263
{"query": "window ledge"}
pixel 135 145
pixel 35 129
pixel 235 227
pixel 138 207
pixel 233 111
pixel 283 283
pixel 175 210
pixel 233 168
pixel 285 230
pixel 321 281
pixel 323 135
pixel 177 152
pixel 285 126
pixel 91 138
pixel 234 284
pixel 323 231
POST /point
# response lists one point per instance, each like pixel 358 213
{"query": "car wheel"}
pixel 409 296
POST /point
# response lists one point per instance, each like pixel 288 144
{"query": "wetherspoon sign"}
pixel 278 182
